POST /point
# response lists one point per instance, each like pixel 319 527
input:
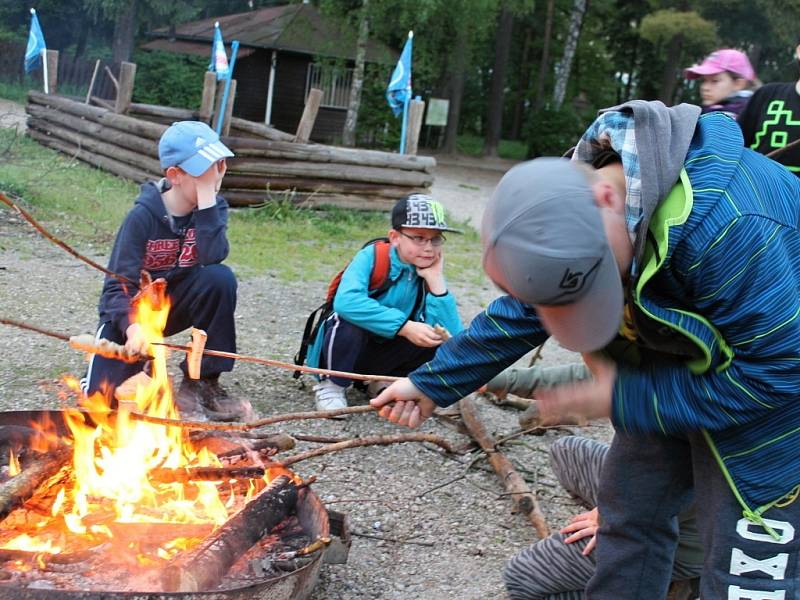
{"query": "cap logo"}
pixel 572 282
pixel 423 212
pixel 200 142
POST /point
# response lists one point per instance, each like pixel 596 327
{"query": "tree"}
pixel 564 66
pixel 494 119
pixel 682 32
pixel 354 103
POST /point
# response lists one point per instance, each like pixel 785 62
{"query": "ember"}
pixel 121 504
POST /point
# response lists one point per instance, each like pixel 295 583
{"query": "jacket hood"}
pixel 663 135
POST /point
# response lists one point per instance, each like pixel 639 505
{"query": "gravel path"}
pixel 461 533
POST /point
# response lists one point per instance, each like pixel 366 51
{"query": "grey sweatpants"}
pixel 552 570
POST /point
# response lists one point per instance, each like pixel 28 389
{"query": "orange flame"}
pixel 113 454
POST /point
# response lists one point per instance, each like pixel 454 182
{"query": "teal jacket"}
pixel 385 315
pixel 715 308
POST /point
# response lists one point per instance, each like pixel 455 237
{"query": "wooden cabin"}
pixel 283 52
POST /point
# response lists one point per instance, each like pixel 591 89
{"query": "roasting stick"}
pixel 87 343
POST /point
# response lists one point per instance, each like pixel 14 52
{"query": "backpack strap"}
pixel 379 280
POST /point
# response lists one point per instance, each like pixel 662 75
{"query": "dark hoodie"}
pixel 151 239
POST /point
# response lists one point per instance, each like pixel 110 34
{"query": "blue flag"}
pixel 399 89
pixel 33 53
pixel 219 58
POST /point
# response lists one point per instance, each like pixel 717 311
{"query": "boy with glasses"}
pixel 391 331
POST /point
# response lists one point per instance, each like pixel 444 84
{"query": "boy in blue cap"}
pixel 176 230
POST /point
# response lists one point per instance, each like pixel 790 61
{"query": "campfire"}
pixel 106 501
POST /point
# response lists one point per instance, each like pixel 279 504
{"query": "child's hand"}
pixel 420 334
pixel 208 184
pixel 404 404
pixel 582 526
pixel 434 275
pixel 135 342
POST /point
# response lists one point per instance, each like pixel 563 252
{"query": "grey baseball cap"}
pixel 544 243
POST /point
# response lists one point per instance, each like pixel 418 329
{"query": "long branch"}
pixel 370 440
pixel 27 216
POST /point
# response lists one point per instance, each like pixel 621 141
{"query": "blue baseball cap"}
pixel 191 145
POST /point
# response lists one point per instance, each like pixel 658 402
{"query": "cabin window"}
pixel 333 80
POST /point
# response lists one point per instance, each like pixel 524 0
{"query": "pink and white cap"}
pixel 719 61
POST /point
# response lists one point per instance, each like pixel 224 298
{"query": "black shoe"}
pixel 189 401
pixel 216 402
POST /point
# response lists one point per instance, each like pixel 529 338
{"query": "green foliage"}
pixel 169 79
pixel 553 132
pixel 472 145
pixel 662 26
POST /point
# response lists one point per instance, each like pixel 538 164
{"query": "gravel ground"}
pixel 448 543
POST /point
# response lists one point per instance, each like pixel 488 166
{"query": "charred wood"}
pixel 204 567
pixel 19 488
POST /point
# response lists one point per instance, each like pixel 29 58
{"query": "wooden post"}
pixel 127 73
pixel 52 71
pixel 218 93
pixel 309 116
pixel 209 95
pixel 91 83
pixel 416 108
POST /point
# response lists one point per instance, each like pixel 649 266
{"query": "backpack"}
pixel 379 282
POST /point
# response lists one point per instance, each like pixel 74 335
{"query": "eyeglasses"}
pixel 418 240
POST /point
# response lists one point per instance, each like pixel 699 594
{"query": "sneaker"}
pixel 329 396
pixel 374 388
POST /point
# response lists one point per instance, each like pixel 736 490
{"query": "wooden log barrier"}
pixel 101 162
pixel 103 116
pixel 283 168
pixel 306 125
pixel 260 130
pixel 328 154
pixel 95 146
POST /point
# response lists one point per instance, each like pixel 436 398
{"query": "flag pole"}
pixel 224 103
pixel 405 104
pixel 403 127
pixel 44 59
pixel 44 71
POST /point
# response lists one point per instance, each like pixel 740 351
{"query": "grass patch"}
pixel 472 145
pixel 85 206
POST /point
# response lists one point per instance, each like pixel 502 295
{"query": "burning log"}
pixel 21 487
pixel 204 567
pixel 524 500
pixel 164 475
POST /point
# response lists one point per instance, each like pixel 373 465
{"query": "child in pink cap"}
pixel 727 77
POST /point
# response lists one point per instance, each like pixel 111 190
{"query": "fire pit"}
pixel 104 572
pixel 102 503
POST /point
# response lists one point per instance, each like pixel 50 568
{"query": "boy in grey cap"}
pixel 176 230
pixel 679 258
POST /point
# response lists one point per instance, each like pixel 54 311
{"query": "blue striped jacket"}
pixel 718 292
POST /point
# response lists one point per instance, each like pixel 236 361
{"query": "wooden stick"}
pixel 310 111
pixel 25 215
pixel 203 568
pixel 524 500
pixel 186 474
pixel 91 83
pixel 19 488
pixel 317 414
pixel 370 440
pixel 111 76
